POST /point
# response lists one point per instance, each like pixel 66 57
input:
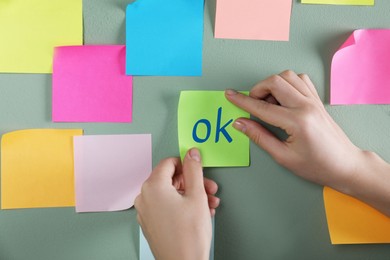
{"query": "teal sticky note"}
pixel 164 38
pixel 205 121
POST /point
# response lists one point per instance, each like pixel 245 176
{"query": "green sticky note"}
pixel 205 121
pixel 340 2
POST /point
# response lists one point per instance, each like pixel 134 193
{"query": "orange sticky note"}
pixel 351 221
pixel 253 19
pixel 37 168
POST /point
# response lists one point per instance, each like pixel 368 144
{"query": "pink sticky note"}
pixel 110 170
pixel 89 84
pixel 253 19
pixel 361 68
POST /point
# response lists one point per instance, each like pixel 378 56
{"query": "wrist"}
pixel 192 254
pixel 183 254
pixel 190 246
pixel 367 175
pixel 370 181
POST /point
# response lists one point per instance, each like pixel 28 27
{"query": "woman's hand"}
pixel 316 148
pixel 175 209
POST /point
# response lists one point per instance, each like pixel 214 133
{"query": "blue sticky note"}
pixel 164 38
pixel 145 253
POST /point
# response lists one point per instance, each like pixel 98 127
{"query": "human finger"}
pixel 292 78
pixel 178 181
pixel 310 85
pixel 270 113
pixel 280 89
pixel 262 137
pixel 210 186
pixel 165 170
pixel 213 201
pixel 193 173
pixel 271 99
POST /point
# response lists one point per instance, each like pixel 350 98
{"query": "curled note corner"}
pixel 360 69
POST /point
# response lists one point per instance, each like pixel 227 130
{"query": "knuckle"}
pixel 275 84
pixel 165 161
pixel 146 187
pixel 304 76
pixel 288 73
pixel 306 120
pixel 274 80
pixel 255 136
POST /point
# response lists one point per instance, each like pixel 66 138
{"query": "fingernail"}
pixel 231 92
pixel 239 125
pixel 194 154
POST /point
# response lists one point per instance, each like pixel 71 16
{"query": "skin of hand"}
pixel 316 148
pixel 175 207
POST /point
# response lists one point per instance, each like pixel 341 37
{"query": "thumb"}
pixel 263 138
pixel 193 173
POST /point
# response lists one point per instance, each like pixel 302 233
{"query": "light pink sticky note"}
pixel 253 19
pixel 110 170
pixel 89 84
pixel 360 71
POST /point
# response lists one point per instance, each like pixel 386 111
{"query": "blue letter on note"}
pixel 195 136
pixel 222 129
pixel 218 131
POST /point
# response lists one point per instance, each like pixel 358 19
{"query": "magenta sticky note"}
pixel 361 68
pixel 90 85
pixel 110 170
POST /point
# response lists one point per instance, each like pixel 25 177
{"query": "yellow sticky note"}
pixel 37 168
pixel 339 2
pixel 351 221
pixel 30 30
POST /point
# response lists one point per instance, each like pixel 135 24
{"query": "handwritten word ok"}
pixel 219 129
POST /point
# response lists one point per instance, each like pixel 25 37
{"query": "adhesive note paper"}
pixel 164 39
pixel 90 85
pixel 351 221
pixel 145 253
pixel 339 2
pixel 29 31
pixel 205 121
pixel 37 168
pixel 110 170
pixel 361 68
pixel 253 19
